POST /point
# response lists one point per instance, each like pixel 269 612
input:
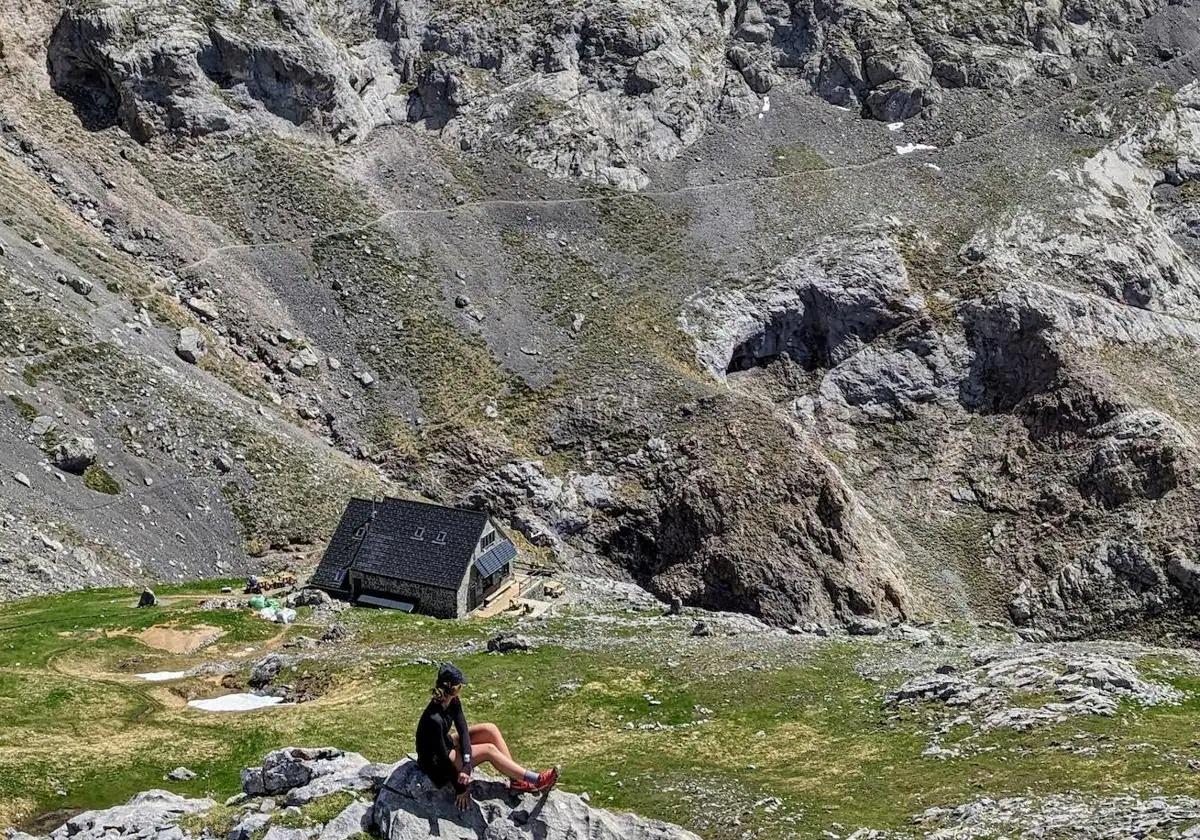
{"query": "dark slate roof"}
pixel 330 574
pixel 495 558
pixel 440 557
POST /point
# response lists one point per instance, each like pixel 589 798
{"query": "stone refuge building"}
pixel 415 556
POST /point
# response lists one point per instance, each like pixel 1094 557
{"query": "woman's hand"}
pixel 463 800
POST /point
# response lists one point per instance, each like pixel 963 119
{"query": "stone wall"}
pixel 428 600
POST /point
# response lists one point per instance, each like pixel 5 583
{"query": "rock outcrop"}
pixel 301 774
pixel 405 806
pixel 152 813
pixel 1098 472
pixel 587 89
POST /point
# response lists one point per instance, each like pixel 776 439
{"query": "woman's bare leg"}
pixel 484 733
pixel 487 753
pixel 489 733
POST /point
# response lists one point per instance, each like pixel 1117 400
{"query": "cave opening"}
pixel 78 80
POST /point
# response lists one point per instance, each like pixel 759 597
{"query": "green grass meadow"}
pixel 78 729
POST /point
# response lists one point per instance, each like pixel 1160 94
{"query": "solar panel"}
pixel 495 559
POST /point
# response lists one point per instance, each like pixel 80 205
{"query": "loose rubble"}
pixel 1085 683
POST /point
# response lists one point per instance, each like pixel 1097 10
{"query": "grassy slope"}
pixel 810 731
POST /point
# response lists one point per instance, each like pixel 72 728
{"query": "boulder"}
pixel 306 773
pixel 191 345
pixel 354 819
pixel 409 804
pixel 858 625
pixel 266 670
pixel 150 813
pixel 181 774
pixel 307 598
pixel 279 832
pixel 508 642
pixel 75 454
pixel 203 307
pixel 248 826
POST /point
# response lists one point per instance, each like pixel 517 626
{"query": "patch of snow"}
pixel 934 167
pixel 235 703
pixel 896 126
pixel 162 676
pixel 909 148
pixel 766 106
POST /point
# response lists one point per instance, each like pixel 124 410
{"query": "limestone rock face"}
pixel 1093 478
pixel 587 89
pixel 408 805
pixel 146 814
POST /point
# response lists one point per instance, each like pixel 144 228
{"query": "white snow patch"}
pixel 909 148
pixel 896 126
pixel 235 703
pixel 766 106
pixel 934 167
pixel 162 676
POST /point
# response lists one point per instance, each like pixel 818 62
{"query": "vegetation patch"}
pixel 97 478
pixel 26 411
pixel 791 158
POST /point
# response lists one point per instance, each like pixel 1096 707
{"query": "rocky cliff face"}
pixel 588 89
pixel 809 310
pixel 1026 342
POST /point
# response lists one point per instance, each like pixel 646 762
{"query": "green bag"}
pixel 258 602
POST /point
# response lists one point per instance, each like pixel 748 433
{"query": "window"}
pixel 418 534
pixel 361 532
pixel 488 539
pixel 440 539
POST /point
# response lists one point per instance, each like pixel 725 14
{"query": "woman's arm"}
pixel 464 736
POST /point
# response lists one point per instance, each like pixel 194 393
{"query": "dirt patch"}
pixel 174 640
pixel 43 824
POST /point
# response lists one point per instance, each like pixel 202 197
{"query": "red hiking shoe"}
pixel 521 786
pixel 546 780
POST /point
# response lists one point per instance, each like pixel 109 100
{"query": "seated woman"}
pixel 447 756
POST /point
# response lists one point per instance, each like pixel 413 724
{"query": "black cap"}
pixel 449 676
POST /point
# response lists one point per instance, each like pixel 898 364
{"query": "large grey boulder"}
pixel 354 819
pixel 191 346
pixel 409 807
pixel 266 670
pixel 147 814
pixel 307 598
pixel 76 454
pixel 248 826
pixel 303 774
pixel 819 308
